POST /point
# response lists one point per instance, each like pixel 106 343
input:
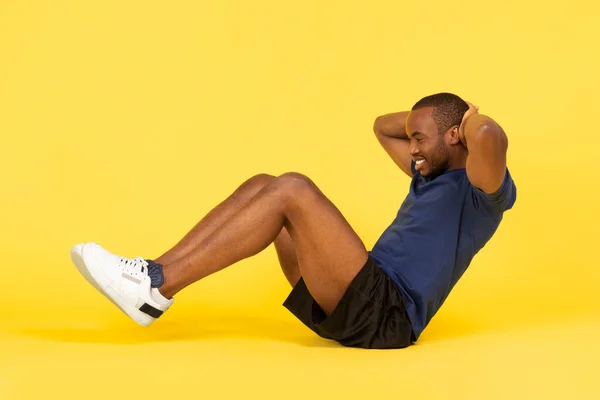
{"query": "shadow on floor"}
pixel 193 328
pixel 199 327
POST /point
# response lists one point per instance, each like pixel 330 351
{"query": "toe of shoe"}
pixel 78 249
pixel 99 254
pixel 100 261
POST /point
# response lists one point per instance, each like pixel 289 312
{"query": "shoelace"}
pixel 136 265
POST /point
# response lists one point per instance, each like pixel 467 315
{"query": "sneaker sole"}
pixel 112 295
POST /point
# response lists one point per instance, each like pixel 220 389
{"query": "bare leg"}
pixel 216 217
pixel 286 253
pixel 219 214
pixel 329 252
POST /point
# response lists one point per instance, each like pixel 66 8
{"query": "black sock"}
pixel 155 273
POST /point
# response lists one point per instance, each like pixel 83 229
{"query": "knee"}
pixel 295 185
pixel 252 186
pixel 261 180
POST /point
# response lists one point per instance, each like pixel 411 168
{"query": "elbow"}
pixel 378 125
pixel 492 134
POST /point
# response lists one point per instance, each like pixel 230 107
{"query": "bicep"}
pixel 486 162
pixel 398 150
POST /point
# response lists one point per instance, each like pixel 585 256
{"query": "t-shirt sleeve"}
pixel 503 199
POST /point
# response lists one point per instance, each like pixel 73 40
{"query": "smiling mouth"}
pixel 419 162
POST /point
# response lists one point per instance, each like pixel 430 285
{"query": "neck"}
pixel 459 159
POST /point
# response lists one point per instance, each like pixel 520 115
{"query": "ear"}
pixel 454 137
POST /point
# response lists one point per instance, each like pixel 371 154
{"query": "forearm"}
pixel 392 125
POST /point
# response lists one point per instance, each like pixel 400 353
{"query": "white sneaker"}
pixel 124 281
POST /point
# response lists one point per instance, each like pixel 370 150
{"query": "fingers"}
pixel 473 109
pixel 471 105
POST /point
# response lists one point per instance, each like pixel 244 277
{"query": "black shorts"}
pixel 371 313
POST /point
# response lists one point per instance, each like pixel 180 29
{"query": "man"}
pixel 383 298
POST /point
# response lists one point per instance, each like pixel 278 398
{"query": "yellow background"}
pixel 125 122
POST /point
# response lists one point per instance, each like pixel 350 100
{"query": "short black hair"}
pixel 448 109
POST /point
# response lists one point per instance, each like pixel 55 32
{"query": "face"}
pixel 429 149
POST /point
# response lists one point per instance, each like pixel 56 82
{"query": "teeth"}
pixel 419 162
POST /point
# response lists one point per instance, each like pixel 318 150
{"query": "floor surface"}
pixel 235 356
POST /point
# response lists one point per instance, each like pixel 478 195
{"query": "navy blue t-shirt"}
pixel 441 225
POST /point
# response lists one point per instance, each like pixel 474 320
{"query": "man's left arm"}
pixel 487 145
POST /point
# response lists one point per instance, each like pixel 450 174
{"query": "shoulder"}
pixel 499 201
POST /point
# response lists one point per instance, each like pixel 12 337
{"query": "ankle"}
pixel 166 291
pixel 167 288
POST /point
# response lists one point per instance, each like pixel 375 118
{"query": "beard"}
pixel 439 161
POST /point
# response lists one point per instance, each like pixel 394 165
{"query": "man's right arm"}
pixel 390 130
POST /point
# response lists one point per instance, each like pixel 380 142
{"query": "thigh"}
pixel 330 253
